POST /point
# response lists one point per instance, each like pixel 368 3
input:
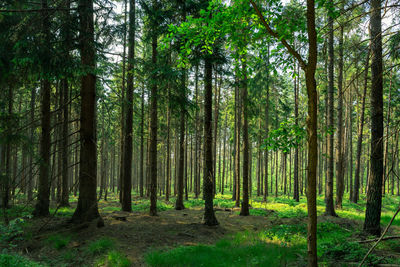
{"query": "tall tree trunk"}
pixel 329 208
pixel 356 190
pixel 127 163
pixel 153 121
pixel 245 204
pixel 141 162
pixel 43 201
pixel 179 200
pixel 87 203
pixel 238 104
pixel 374 194
pixel 32 140
pixel 296 195
pixel 123 106
pixel 209 215
pixel 267 129
pixel 65 111
pixel 196 138
pixel 339 148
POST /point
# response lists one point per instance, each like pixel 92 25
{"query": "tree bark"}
pixel 374 194
pixel 87 203
pixel 245 204
pixel 329 207
pixel 43 201
pixel 127 162
pixel 153 122
pixel 209 215
pixel 339 148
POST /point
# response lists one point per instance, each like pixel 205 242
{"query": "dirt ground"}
pixel 137 233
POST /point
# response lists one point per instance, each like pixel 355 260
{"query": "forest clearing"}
pixel 199 133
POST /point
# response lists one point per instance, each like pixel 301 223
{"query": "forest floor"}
pixel 274 235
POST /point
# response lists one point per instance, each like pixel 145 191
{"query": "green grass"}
pixel 59 241
pixel 14 260
pixel 114 259
pixel 100 246
pixel 244 249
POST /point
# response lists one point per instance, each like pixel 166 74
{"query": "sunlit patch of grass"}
pixel 63 211
pixel 114 259
pixel 244 249
pixel 144 205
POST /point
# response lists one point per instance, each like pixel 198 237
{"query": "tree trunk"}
pixel 127 162
pixel 356 190
pixel 374 194
pixel 87 203
pixel 245 204
pixel 153 122
pixel 209 215
pixel 43 201
pixel 339 148
pixel 329 208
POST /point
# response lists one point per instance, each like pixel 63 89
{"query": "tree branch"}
pixel 380 238
pixel 271 32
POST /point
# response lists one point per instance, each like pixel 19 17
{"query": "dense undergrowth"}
pixel 282 244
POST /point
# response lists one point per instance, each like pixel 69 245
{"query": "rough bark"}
pixel 329 207
pixel 87 203
pixel 153 122
pixel 127 158
pixel 374 193
pixel 209 215
pixel 43 201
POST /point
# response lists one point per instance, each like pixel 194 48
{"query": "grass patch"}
pixel 59 241
pixel 114 259
pixel 100 246
pixel 15 260
pixel 243 250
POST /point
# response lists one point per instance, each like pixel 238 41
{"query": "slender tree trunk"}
pixel 245 204
pixel 43 201
pixel 339 148
pixel 209 215
pixel 238 104
pixel 32 140
pixel 356 190
pixel 329 208
pixel 267 130
pixel 153 123
pixel 123 106
pixel 127 162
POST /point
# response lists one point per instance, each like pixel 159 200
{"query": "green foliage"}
pixel 15 260
pixel 100 246
pixel 288 135
pixel 59 241
pixel 13 231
